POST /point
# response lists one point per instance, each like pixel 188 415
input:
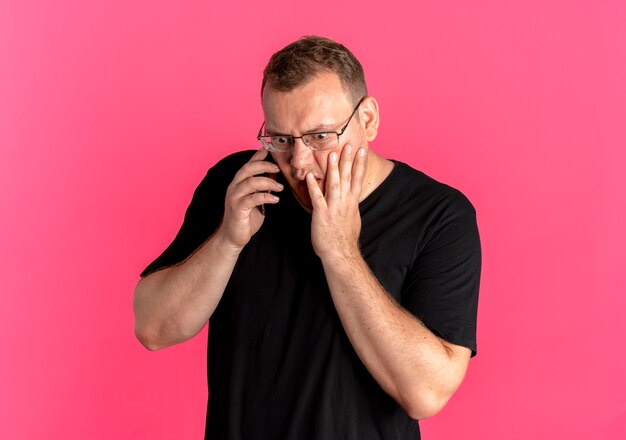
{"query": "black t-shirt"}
pixel 280 365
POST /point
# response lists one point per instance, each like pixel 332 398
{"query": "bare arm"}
pixel 173 304
pixel 418 369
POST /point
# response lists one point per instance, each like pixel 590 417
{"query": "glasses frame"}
pixel 292 139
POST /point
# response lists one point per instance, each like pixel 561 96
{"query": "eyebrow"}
pixel 320 128
pixel 274 133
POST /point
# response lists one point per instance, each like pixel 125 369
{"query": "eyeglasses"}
pixel 318 141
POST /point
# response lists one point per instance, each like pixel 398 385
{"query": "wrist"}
pixel 341 256
pixel 226 247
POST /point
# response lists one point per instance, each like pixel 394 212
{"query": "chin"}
pixel 305 200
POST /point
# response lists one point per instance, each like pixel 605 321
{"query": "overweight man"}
pixel 340 287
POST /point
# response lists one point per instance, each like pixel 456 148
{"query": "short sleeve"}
pixel 204 214
pixel 442 286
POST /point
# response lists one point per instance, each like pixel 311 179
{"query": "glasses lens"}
pixel 277 143
pixel 321 141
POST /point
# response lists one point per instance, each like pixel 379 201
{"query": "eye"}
pixel 321 137
pixel 280 140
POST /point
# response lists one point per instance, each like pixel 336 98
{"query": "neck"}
pixel 378 168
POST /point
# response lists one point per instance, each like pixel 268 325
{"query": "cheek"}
pixel 322 161
pixel 288 173
pixel 283 163
pixel 285 169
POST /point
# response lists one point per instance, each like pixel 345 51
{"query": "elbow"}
pixel 424 404
pixel 158 335
pixel 421 400
pixel 147 330
pixel 157 326
pixel 148 339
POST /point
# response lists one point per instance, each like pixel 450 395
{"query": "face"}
pixel 320 105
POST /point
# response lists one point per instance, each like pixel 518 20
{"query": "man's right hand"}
pixel 248 191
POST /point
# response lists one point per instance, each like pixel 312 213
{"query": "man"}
pixel 341 288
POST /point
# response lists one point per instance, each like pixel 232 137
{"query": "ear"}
pixel 369 117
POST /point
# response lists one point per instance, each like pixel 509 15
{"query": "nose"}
pixel 301 157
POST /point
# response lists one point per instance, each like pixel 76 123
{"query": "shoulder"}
pixel 446 215
pixel 407 185
pixel 223 171
pixel 232 163
pixel 214 184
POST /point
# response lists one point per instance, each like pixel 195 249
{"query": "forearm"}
pixel 173 304
pixel 415 367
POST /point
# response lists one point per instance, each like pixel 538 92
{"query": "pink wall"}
pixel 110 114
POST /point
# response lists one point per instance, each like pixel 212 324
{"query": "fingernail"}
pixel 275 198
pixel 279 186
pixel 333 156
pixel 349 149
pixel 362 152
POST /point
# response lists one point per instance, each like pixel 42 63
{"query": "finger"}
pixel 358 172
pixel 260 154
pixel 345 168
pixel 315 193
pixel 254 168
pixel 333 184
pixel 262 183
pixel 255 184
pixel 251 201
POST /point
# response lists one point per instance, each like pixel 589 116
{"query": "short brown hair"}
pixel 302 60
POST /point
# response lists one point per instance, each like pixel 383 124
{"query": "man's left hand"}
pixel 336 221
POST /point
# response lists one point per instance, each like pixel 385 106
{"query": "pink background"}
pixel 111 112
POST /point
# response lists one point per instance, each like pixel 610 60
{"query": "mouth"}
pixel 302 185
